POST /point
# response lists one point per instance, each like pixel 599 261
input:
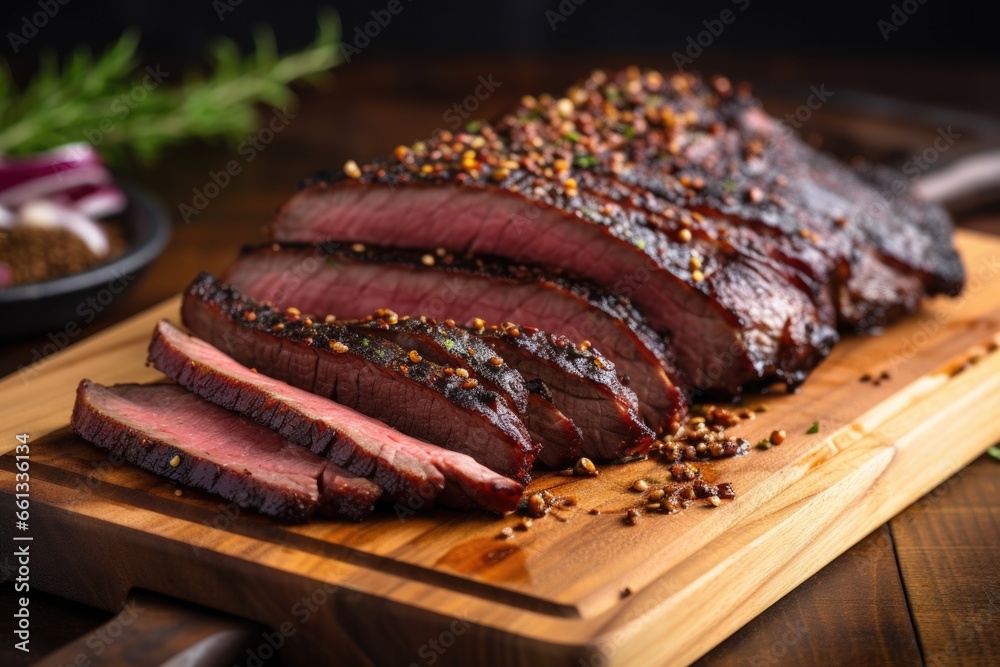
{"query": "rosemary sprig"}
pixel 121 109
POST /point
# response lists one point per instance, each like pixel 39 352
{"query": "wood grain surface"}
pixel 940 542
pixel 792 633
pixel 585 587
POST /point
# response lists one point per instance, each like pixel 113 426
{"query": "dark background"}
pixel 937 31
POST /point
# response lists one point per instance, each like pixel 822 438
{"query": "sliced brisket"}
pixel 461 352
pixel 524 226
pixel 408 470
pixel 448 345
pixel 351 282
pixel 552 428
pixel 371 375
pixel 173 433
pixel 741 242
pixel 583 384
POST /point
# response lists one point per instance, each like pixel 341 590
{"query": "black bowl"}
pixel 62 306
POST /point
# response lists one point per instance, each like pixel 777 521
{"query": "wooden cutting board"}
pixel 581 589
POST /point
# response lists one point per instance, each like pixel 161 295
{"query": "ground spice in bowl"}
pixel 29 255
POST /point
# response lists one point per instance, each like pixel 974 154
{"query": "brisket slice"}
pixel 448 345
pixel 790 243
pixel 558 434
pixel 583 384
pixel 173 433
pixel 351 282
pixel 371 375
pixel 612 252
pixel 408 470
pixel 460 352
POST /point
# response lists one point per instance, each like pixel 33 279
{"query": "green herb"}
pixel 729 186
pixel 365 342
pixel 473 126
pixel 584 161
pixel 573 136
pixel 449 343
pixel 119 107
pixel 641 244
pixel 813 429
pixel 994 452
pixel 765 444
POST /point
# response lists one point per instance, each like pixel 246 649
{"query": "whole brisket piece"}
pixel 373 376
pixel 743 244
pixel 408 470
pixel 353 281
pixel 458 350
pixel 173 433
pixel 583 384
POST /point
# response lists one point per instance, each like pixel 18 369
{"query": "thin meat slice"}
pixel 173 433
pixel 463 353
pixel 373 376
pixel 351 281
pixel 408 470
pixel 583 384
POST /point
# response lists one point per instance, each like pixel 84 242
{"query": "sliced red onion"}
pixel 17 170
pixel 42 174
pixel 64 188
pixel 42 214
pixel 53 182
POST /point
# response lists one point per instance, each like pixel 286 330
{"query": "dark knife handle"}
pixel 970 181
pixel 155 630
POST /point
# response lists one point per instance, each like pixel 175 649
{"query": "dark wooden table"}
pixel 922 589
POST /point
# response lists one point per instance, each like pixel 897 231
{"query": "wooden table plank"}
pixel 858 596
pixel 948 546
